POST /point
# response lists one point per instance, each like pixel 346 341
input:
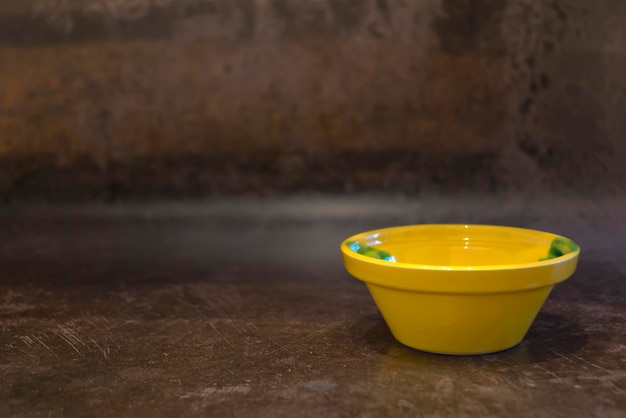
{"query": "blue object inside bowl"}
pixel 370 251
pixel 558 247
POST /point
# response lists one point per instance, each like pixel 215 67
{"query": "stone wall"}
pixel 115 98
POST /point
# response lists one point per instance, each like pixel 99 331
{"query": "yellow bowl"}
pixel 459 289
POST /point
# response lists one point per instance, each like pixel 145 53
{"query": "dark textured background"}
pixel 477 111
pixel 108 98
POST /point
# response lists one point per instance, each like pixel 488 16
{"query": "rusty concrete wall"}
pixel 108 98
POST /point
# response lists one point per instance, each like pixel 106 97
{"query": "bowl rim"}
pixel 487 267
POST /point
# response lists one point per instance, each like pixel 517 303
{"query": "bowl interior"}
pixel 460 245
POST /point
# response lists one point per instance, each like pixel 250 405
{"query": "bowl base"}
pixel 458 354
pixel 459 324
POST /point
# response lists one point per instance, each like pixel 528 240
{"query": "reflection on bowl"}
pixel 459 289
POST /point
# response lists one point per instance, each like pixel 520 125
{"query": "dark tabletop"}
pixel 243 308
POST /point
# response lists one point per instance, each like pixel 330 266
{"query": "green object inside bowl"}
pixel 560 246
pixel 370 251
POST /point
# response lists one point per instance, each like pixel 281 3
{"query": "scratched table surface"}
pixel 242 308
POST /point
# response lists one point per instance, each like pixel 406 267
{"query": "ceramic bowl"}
pixel 459 289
